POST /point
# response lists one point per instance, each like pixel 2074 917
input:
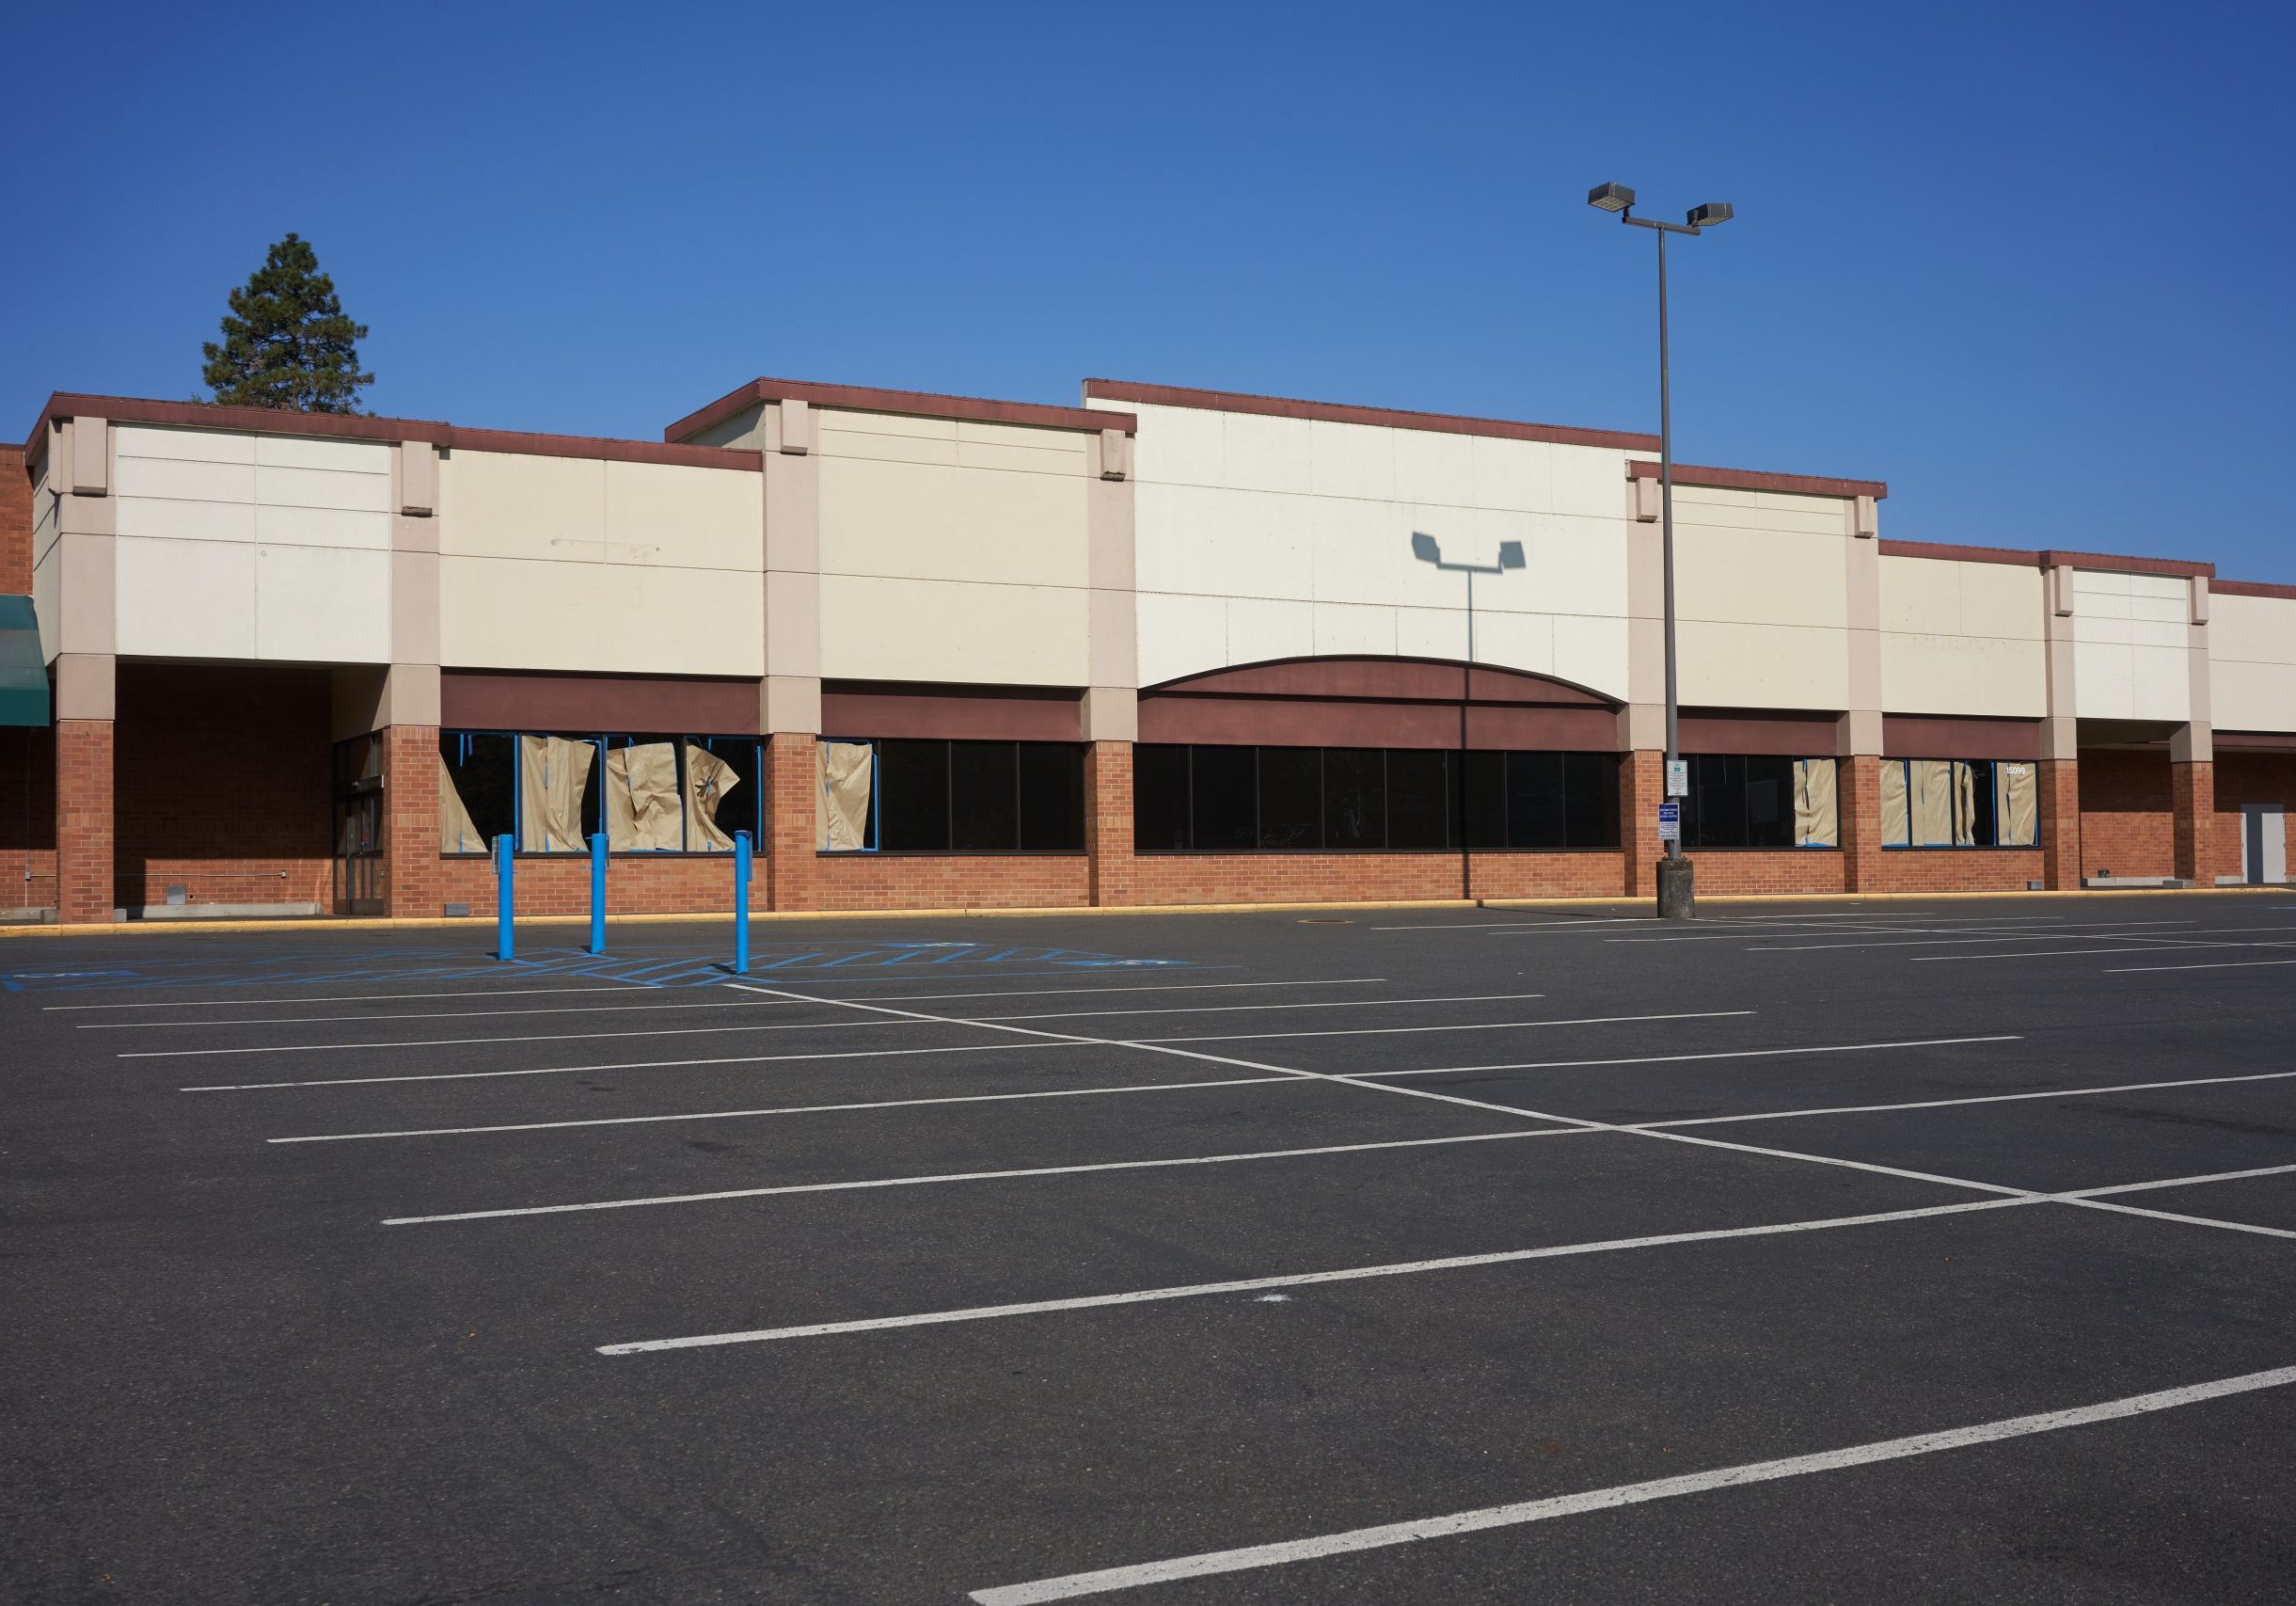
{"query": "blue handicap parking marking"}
pixel 704 967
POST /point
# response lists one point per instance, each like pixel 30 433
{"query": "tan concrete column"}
pixel 2059 782
pixel 86 672
pixel 2192 768
pixel 790 699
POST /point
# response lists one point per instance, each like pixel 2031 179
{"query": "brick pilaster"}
pixel 1858 800
pixel 1641 787
pixel 1108 822
pixel 15 524
pixel 2059 796
pixel 792 780
pixel 413 880
pixel 2192 790
pixel 84 832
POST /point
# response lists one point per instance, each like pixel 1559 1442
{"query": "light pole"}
pixel 1676 884
pixel 1429 550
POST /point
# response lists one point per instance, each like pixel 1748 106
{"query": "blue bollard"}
pixel 597 895
pixel 742 903
pixel 505 947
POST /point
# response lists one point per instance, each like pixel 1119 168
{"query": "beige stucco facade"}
pixel 875 537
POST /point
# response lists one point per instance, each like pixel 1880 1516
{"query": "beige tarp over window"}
pixel 848 772
pixel 1964 805
pixel 553 779
pixel 642 798
pixel 2016 809
pixel 1929 798
pixel 708 778
pixel 1895 820
pixel 1816 817
pixel 456 834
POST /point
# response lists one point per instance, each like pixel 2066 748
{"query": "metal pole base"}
pixel 1677 899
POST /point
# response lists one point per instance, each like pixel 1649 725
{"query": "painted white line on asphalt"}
pixel 2211 964
pixel 1976 1099
pixel 2104 929
pixel 1292 1279
pixel 1155 987
pixel 422 1015
pixel 2182 1219
pixel 1719 1054
pixel 1251 1557
pixel 623 1065
pixel 1518 925
pixel 467 1041
pixel 2182 1181
pixel 1396 1031
pixel 2145 945
pixel 1230 1009
pixel 930 1178
pixel 803 1110
pixel 771 1003
pixel 345 997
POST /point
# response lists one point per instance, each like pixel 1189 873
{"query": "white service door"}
pixel 2264 844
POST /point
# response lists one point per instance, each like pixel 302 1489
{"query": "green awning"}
pixel 23 673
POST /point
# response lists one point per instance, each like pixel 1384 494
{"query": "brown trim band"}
pixel 959 714
pixel 2020 557
pixel 604 704
pixel 266 421
pixel 1774 735
pixel 1304 722
pixel 2250 588
pixel 2254 741
pixel 920 404
pixel 1381 417
pixel 1759 480
pixel 2115 562
pixel 1384 679
pixel 1953 736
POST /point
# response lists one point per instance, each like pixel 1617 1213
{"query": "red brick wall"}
pixel 84 820
pixel 1768 869
pixel 2058 799
pixel 2193 787
pixel 635 884
pixel 224 784
pixel 2127 814
pixel 792 776
pixel 1957 870
pixel 1311 877
pixel 15 525
pixel 27 817
pixel 1642 782
pixel 1108 822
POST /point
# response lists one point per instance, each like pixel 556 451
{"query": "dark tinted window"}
pixel 1419 807
pixel 1591 799
pixel 984 796
pixel 1717 802
pixel 1355 801
pixel 912 794
pixel 1770 802
pixel 1159 797
pixel 1485 803
pixel 1291 797
pixel 1223 794
pixel 1535 800
pixel 1052 795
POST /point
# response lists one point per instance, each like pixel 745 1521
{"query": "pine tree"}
pixel 286 341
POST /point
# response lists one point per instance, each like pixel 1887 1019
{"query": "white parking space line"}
pixel 1973 1099
pixel 805 1109
pixel 420 1015
pixel 774 1003
pixel 1951 937
pixel 346 997
pixel 937 1177
pixel 2144 946
pixel 2203 1180
pixel 467 1041
pixel 1229 1009
pixel 1291 1279
pixel 1251 1557
pixel 2212 964
pixel 627 1065
pixel 1153 987
pixel 1718 1054
pixel 1472 1027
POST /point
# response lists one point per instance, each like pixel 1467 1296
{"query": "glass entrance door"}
pixel 358 826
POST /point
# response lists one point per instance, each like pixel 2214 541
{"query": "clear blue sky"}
pixel 2029 264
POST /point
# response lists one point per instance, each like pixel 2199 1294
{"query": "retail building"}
pixel 1166 646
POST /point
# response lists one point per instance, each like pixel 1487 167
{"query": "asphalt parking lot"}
pixel 1917 1251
